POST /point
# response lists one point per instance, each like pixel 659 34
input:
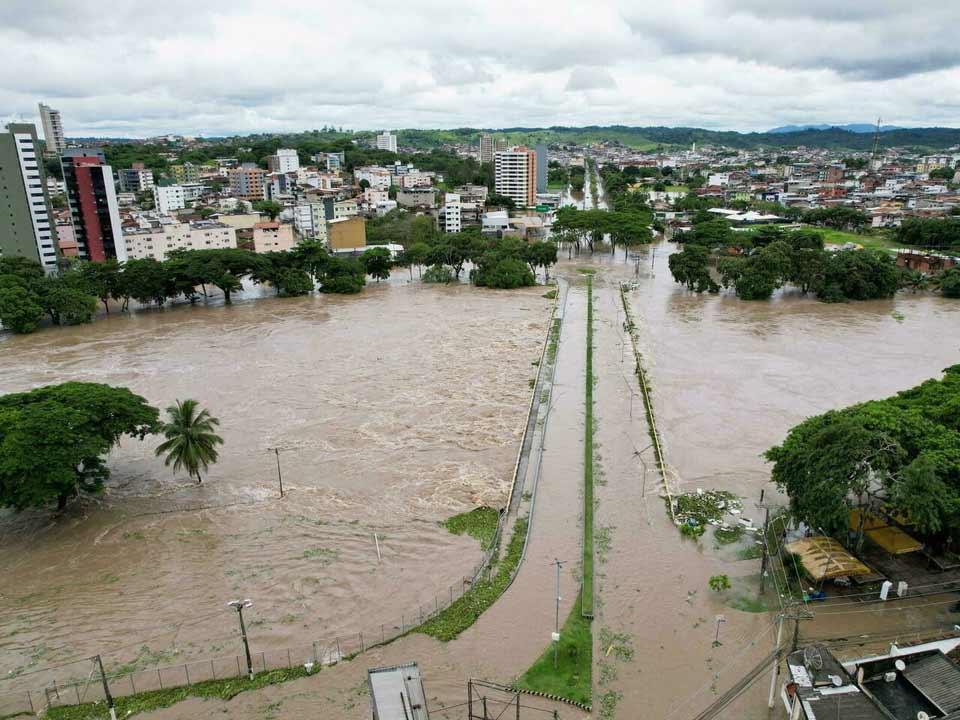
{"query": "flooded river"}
pixel 392 410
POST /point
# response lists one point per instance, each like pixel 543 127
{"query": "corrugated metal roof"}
pixel 938 678
pixel 848 706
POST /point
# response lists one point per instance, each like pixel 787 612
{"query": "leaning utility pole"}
pixel 106 689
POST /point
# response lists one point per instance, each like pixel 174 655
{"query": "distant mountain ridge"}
pixel 849 127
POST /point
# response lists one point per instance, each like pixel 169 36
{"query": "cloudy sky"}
pixel 133 68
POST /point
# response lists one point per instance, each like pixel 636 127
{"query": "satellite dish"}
pixel 812 657
pixel 900 665
pixel 922 716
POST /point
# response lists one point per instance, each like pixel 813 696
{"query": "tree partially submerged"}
pixel 901 455
pixel 54 439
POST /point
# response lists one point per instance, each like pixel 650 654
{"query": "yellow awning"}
pixel 870 521
pixel 894 540
pixel 889 537
pixel 824 558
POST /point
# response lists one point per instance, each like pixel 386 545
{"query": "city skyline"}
pixel 732 65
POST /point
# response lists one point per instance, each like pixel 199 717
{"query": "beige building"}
pixel 273 237
pixel 248 183
pixel 246 221
pixel 347 233
pixel 160 238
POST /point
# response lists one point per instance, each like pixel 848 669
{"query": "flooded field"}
pixel 391 410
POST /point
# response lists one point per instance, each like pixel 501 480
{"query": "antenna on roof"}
pixel 876 142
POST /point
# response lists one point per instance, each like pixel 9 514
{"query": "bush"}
pixel 343 284
pixel 719 583
pixel 438 274
pixel 505 273
pixel 950 283
pixel 295 282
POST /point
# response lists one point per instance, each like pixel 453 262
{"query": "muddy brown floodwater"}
pixel 729 379
pixel 392 410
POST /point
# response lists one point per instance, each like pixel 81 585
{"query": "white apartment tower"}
pixel 515 175
pixel 26 219
pixel 167 198
pixel 52 131
pixel 387 141
pixel 285 160
pixel 452 217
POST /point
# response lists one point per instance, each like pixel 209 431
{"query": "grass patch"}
pixel 480 523
pixel 157 699
pixel 573 677
pixel 587 587
pixel 586 271
pixel 464 611
pixel 320 552
pixel 550 295
pixel 754 551
pixel 728 534
pixel 553 342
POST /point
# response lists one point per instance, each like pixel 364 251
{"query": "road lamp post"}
pixel 239 606
pixel 556 633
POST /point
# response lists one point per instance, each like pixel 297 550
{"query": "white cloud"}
pixel 145 68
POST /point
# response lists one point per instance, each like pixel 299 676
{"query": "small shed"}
pixel 396 693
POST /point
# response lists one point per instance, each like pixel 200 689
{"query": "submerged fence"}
pixel 79 682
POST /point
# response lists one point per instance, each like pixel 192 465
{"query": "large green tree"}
pixel 900 455
pixel 691 267
pixel 53 440
pixel 376 263
pixel 20 312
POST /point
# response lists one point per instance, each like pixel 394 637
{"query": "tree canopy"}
pixel 900 455
pixel 53 439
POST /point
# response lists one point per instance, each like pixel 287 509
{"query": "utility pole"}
pixel 279 476
pixel 239 606
pixel 765 561
pixel 776 661
pixel 556 633
pixel 106 689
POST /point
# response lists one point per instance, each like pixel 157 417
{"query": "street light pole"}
pixel 239 605
pixel 556 634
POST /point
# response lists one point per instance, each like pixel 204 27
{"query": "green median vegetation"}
pixel 587 591
pixel 573 677
pixel 464 611
pixel 156 699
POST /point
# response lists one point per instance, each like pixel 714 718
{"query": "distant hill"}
pixel 850 127
pixel 652 138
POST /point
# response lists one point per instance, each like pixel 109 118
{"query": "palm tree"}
pixel 191 441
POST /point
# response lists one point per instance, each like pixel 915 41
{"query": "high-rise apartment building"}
pixel 248 183
pixel 93 205
pixel 387 141
pixel 515 175
pixel 490 144
pixel 542 161
pixel 452 216
pixel 136 178
pixel 52 131
pixel 26 219
pixel 283 161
